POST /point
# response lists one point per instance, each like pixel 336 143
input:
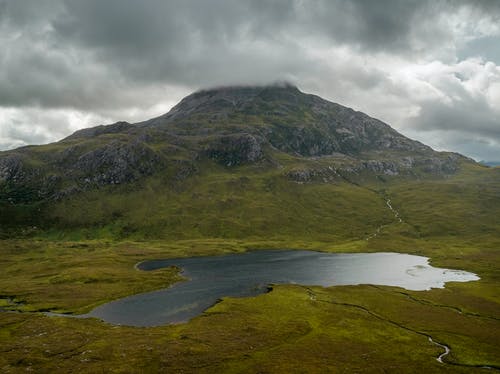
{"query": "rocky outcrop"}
pixel 448 164
pixel 301 141
pixel 406 166
pixel 21 182
pixel 327 175
pixel 115 163
pixel 11 168
pixel 289 120
pixel 231 126
pixel 23 178
pixel 235 149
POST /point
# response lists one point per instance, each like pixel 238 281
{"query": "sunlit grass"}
pixel 86 257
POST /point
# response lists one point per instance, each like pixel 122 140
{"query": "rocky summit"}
pixel 276 126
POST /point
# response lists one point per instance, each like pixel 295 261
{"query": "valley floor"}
pixel 453 221
pixel 291 329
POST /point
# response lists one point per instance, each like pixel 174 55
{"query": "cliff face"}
pixel 231 126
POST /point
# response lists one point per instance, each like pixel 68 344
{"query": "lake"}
pixel 211 278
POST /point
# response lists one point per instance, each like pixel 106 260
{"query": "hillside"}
pixel 222 162
pixel 230 170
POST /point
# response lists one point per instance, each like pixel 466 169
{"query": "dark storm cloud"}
pixel 474 116
pixel 124 45
pixel 194 43
pixel 85 51
pixel 184 42
pixel 116 59
pixel 367 23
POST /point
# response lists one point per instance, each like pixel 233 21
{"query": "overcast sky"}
pixel 431 69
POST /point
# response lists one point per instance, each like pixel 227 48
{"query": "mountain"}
pixel 490 163
pixel 230 170
pixel 274 134
pixel 230 125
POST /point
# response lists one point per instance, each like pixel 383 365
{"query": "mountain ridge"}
pixel 283 101
pixel 272 126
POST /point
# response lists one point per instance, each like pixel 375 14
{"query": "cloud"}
pixel 29 125
pixel 420 65
pixel 461 97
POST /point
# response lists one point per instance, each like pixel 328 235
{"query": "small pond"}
pixel 237 275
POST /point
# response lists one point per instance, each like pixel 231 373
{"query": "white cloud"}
pixel 422 66
pixel 23 126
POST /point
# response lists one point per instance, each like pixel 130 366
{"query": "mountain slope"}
pixel 233 169
pixel 219 151
pixel 234 125
pixel 288 119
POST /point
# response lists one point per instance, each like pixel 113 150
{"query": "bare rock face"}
pixel 286 118
pixel 21 182
pixel 15 168
pixel 115 163
pixel 302 141
pixel 406 166
pixel 441 165
pixel 11 167
pixel 234 149
pixel 383 167
pixel 326 174
pixel 75 169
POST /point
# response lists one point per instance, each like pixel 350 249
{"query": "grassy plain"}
pixel 65 268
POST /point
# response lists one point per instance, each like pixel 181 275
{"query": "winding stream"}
pixel 445 347
pixel 396 215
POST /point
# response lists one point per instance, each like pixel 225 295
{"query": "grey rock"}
pixel 232 126
pixel 115 163
pixel 11 167
pixel 234 149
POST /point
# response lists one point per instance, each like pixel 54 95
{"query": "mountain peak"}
pixel 225 98
pixel 287 118
pixel 235 89
pixel 232 125
pixel 219 102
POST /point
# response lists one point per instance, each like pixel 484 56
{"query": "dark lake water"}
pixel 213 277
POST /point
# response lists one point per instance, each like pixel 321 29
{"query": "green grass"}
pixel 222 205
pixel 352 328
pixel 86 257
pixel 343 329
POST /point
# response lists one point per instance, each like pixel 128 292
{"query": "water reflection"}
pixel 239 275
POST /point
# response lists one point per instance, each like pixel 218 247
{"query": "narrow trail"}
pixel 447 350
